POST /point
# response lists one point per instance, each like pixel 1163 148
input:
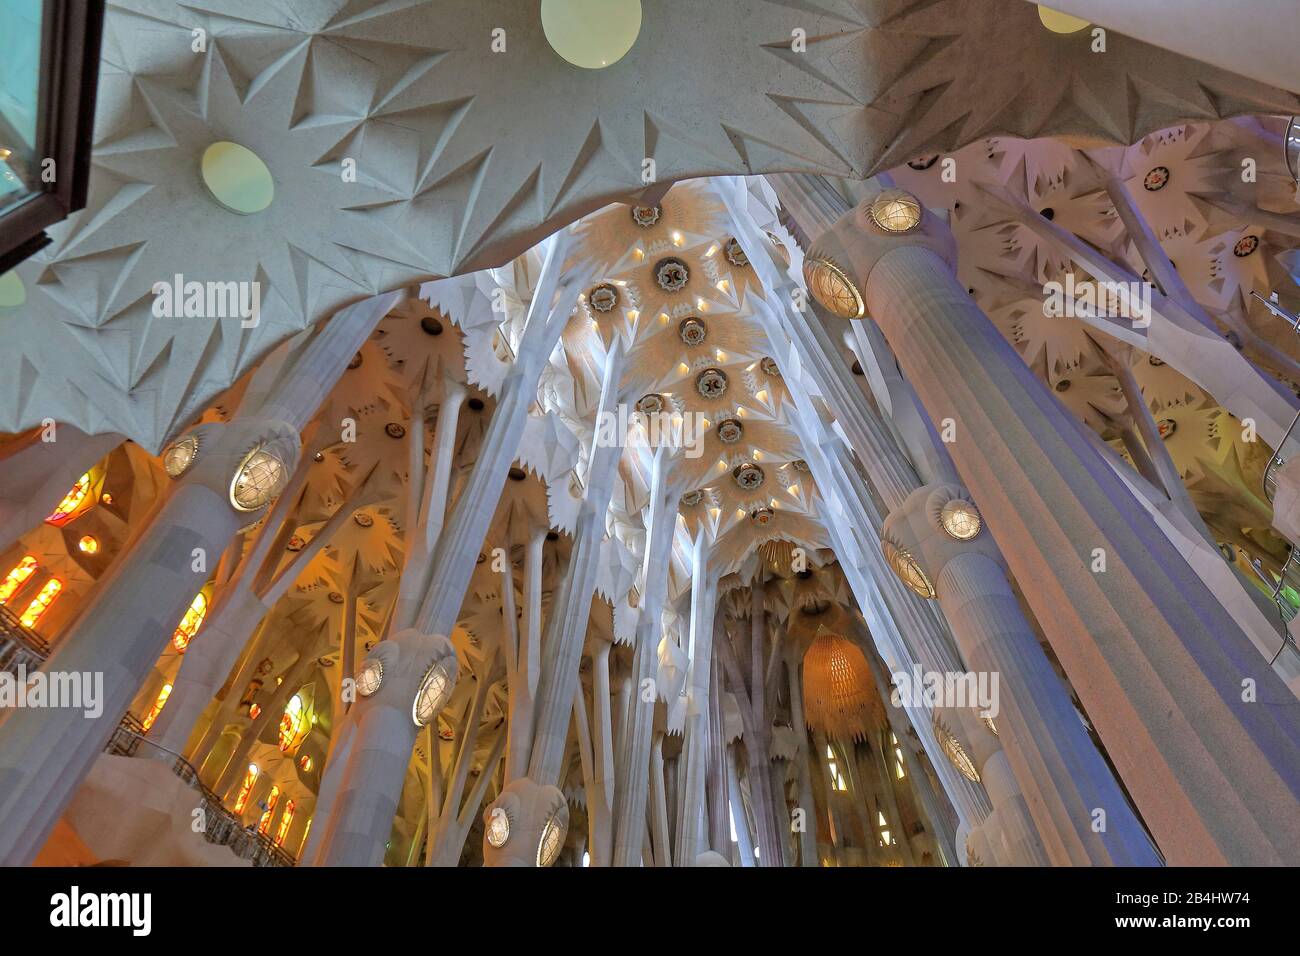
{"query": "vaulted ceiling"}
pixel 459 164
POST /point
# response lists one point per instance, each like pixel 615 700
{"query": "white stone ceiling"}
pixel 465 157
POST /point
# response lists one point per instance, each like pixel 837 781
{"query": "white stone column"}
pixel 1066 783
pixel 1163 667
pixel 359 794
pixel 690 827
pixel 631 790
pixel 566 629
pixel 113 645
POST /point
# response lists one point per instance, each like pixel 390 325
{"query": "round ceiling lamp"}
pixel 960 519
pixel 896 210
pixel 592 34
pixel 180 455
pixel 237 178
pixel 258 479
pixel 832 287
pixel 1059 22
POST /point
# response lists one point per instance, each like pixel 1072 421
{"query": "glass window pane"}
pixel 20 62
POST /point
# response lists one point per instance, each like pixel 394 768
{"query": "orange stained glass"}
pixel 157 707
pixel 246 788
pixel 41 603
pixel 291 724
pixel 191 622
pixel 73 502
pixel 17 577
pixel 264 824
pixel 286 821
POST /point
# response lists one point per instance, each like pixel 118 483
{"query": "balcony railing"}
pixel 20 647
pixel 221 826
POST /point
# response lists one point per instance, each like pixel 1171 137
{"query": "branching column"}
pixel 1184 703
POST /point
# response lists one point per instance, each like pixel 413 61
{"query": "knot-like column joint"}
pixel 412 672
pixel 839 262
pixel 525 826
pixel 933 525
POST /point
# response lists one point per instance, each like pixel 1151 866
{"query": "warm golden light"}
pixel 960 519
pixel 292 724
pixel 260 477
pixel 896 210
pixel 246 788
pixel 41 603
pixel 17 577
pixel 157 707
pixel 73 503
pixel 179 456
pixel 272 798
pixel 286 821
pixel 831 286
pixel 190 623
pixel 89 544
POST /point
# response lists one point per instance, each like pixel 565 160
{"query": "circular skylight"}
pixel 1059 22
pixel 592 34
pixel 237 178
pixel 12 293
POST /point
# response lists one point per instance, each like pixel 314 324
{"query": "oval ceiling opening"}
pixel 592 34
pixel 237 178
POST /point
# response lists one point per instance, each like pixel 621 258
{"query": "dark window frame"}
pixel 71 32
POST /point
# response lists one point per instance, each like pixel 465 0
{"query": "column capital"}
pixel 525 825
pixel 933 525
pixel 247 461
pixel 839 263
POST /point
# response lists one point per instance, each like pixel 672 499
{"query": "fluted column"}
pixel 1081 813
pixel 691 833
pixel 360 792
pixel 45 753
pixel 567 627
pixel 631 791
pixel 1181 699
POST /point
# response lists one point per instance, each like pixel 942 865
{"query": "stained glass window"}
pixel 272 798
pixel 246 788
pixel 292 724
pixel 191 622
pixel 74 502
pixel 17 577
pixel 157 707
pixel 286 821
pixel 41 603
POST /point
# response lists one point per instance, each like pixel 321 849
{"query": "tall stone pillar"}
pixel 691 832
pixel 112 646
pixel 1082 815
pixel 363 782
pixel 1185 705
pixel 632 790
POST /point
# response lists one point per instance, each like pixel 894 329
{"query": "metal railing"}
pixel 19 646
pixel 221 826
